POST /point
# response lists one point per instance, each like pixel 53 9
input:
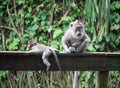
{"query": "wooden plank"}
pixel 21 60
pixel 102 79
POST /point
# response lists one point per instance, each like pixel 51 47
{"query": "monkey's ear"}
pixel 77 21
pixel 32 39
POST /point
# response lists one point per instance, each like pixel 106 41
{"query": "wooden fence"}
pixel 94 61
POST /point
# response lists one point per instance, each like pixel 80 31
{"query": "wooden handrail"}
pixel 97 61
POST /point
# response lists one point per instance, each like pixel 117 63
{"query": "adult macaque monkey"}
pixel 75 40
pixel 46 51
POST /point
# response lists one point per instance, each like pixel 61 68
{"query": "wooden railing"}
pixel 97 61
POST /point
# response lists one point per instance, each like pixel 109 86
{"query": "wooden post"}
pixel 102 79
pixel 75 80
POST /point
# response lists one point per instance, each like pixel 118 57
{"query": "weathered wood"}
pixel 102 79
pixel 21 60
pixel 102 62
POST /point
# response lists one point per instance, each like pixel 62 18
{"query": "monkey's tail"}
pixel 56 58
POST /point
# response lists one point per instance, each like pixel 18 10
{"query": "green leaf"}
pixel 21 13
pixel 29 9
pixel 115 5
pixel 2 74
pixel 35 27
pixel 42 23
pixel 107 39
pixel 14 44
pixel 49 29
pixel 28 15
pixel 73 5
pixel 43 17
pixel 117 41
pixel 66 19
pixel 57 33
pixel 115 26
pixel 36 19
pixel 54 44
pixel 20 2
pixel 90 47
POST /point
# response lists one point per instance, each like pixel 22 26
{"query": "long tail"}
pixel 56 58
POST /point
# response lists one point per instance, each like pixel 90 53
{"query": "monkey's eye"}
pixel 71 25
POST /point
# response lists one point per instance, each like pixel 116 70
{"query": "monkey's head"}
pixel 76 28
pixel 31 43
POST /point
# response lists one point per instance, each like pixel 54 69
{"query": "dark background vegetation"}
pixel 46 21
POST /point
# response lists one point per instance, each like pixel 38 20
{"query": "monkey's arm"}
pixel 64 43
pixel 83 45
pixel 76 44
pixel 34 51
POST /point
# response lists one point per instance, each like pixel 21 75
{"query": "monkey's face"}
pixel 31 43
pixel 76 28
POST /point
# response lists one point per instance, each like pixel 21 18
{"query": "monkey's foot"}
pixel 72 49
pixel 48 66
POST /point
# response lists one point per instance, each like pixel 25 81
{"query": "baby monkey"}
pixel 46 51
pixel 75 39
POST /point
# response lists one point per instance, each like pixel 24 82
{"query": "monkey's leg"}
pixel 83 46
pixel 45 56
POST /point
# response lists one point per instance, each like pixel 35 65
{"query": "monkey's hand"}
pixel 83 46
pixel 72 49
pixel 34 51
pixel 76 44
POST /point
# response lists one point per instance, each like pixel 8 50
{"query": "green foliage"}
pixel 36 19
pixel 57 33
pixel 13 44
pixel 87 79
pixel 114 36
pixel 103 25
pixel 97 15
pixel 66 19
pixel 115 5
pixel 115 82
pixel 2 75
